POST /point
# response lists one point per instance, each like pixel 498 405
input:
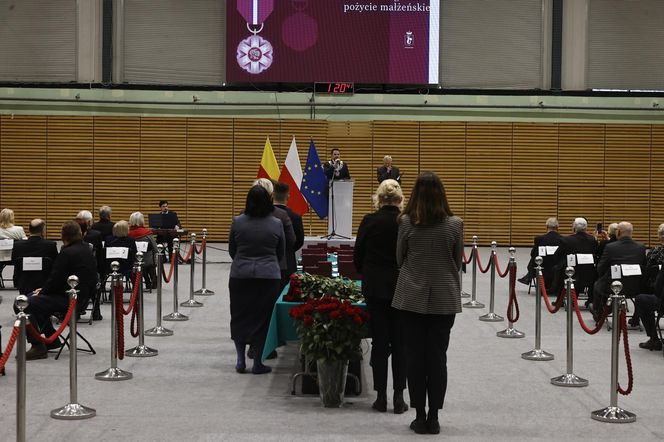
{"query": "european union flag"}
pixel 314 183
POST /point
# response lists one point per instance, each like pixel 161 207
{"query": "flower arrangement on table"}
pixel 330 328
pixel 304 286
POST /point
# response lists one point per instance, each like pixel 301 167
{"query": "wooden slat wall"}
pixel 504 179
pixel 69 172
pixel 488 185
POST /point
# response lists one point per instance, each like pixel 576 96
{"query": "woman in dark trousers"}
pixel 428 293
pixel 256 243
pixel 375 259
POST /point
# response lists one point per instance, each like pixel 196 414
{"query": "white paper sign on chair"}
pixel 142 246
pixel 585 258
pixel 631 269
pixel 32 264
pixel 117 253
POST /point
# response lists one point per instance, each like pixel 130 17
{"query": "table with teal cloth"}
pixel 281 327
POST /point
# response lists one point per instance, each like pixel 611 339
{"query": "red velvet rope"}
pixel 584 326
pixel 500 274
pixel 10 347
pixel 513 303
pixel 167 279
pixel 467 261
pixel 189 253
pixel 134 321
pixel 199 250
pixel 628 356
pixel 547 302
pixel 479 263
pixel 65 322
pixel 119 319
pixel 134 295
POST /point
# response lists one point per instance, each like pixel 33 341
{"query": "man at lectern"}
pixel 335 169
pixel 169 221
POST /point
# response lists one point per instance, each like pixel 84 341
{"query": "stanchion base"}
pixel 141 351
pixel 204 292
pixel 473 304
pixel 191 303
pixel 537 355
pixel 569 380
pixel 73 412
pixel 114 374
pixel 465 295
pixel 511 333
pixel 176 316
pixel 491 317
pixel 614 415
pixel 158 331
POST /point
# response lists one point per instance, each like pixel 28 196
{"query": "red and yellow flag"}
pixel 268 168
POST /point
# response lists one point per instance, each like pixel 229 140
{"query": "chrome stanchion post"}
pixel 613 413
pixel 73 410
pixel 463 294
pixel 473 303
pixel 176 315
pixel 203 291
pixel 114 373
pixel 141 350
pixel 492 316
pixel 569 379
pixel 191 302
pixel 21 321
pixel 158 330
pixel 510 332
pixel 538 354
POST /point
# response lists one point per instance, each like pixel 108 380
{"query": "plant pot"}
pixel 332 381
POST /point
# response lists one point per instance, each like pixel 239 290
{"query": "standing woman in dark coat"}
pixel 428 293
pixel 375 259
pixel 256 243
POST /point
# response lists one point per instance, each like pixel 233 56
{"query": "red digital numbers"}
pixel 335 88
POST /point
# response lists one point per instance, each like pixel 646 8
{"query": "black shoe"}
pixel 419 426
pixel 400 407
pixel 250 352
pixel 37 351
pixel 652 344
pixel 525 280
pixel 380 405
pixel 433 427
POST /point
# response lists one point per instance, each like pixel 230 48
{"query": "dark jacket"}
pixel 585 275
pixel 256 246
pixel 343 173
pixel 94 237
pixel 104 227
pixel 551 238
pixel 382 174
pixel 34 246
pixel 74 259
pixel 289 233
pixel 375 253
pixel 298 230
pixel 623 251
pixel 126 265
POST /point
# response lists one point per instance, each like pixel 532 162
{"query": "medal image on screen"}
pixel 308 41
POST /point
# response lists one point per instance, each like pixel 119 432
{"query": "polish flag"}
pixel 291 174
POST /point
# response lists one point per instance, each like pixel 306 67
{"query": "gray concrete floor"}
pixel 190 391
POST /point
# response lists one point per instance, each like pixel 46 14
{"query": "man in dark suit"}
pixel 171 222
pixel 646 307
pixel 104 225
pixel 623 251
pixel 335 169
pixel 75 258
pixel 92 237
pixel 280 197
pixel 36 247
pixel 551 239
pixel 579 243
pixel 387 171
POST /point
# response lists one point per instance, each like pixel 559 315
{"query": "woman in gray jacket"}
pixel 256 243
pixel 428 293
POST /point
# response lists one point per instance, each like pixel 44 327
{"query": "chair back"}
pixel 31 273
pixel 6 246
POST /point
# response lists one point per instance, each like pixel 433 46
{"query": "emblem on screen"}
pixel 408 40
pixel 254 54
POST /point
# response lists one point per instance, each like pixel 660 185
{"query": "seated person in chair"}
pixel 75 258
pixel 647 306
pixel 140 233
pixel 121 238
pixel 35 247
pixel 624 251
pixel 104 225
pixel 550 238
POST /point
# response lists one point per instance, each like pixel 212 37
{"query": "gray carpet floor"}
pixel 190 391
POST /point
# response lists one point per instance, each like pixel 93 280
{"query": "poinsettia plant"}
pixel 330 328
pixel 304 286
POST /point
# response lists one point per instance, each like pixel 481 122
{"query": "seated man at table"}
pixel 34 247
pixel 75 258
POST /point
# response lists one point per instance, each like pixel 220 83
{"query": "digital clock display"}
pixel 334 88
